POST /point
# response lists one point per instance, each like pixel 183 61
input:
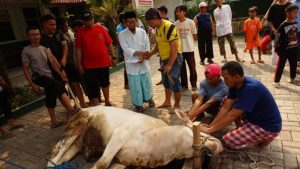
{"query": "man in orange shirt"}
pixel 93 60
pixel 252 26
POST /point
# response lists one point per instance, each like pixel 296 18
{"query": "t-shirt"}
pixel 69 37
pixel 258 104
pixel 277 14
pixel 218 91
pixel 54 43
pixel 287 38
pixel 223 17
pixel 37 59
pixel 252 27
pixel 166 33
pixel 186 29
pixel 94 42
pixel 297 3
pixel 204 23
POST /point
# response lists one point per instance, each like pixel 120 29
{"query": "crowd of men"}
pixel 82 58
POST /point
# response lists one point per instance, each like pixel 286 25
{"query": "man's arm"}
pixel 212 26
pixel 153 51
pixel 224 122
pixel 173 56
pixel 112 54
pixel 223 111
pixel 201 107
pixel 65 49
pixel 55 66
pixel 79 60
pixel 274 30
pixel 27 75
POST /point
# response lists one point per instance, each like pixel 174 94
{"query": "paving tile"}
pixel 296 136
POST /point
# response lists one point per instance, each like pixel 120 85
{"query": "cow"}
pixel 133 139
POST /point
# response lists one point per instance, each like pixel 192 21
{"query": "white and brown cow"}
pixel 131 138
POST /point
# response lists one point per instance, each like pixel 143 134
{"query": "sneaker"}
pixel 194 88
pixel 276 85
pixel 202 63
pixel 151 103
pixel 139 109
pixel 210 61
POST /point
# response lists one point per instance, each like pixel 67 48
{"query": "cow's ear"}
pixel 183 116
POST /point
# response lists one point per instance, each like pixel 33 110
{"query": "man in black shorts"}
pixel 37 58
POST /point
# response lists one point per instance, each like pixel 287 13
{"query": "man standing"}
pixel 223 18
pixel 38 59
pixel 169 47
pixel 164 13
pixel 205 28
pixel 93 60
pixel 297 3
pixel 188 33
pixel 250 99
pixel 135 43
pixel 120 28
pixel 275 17
pixel 55 42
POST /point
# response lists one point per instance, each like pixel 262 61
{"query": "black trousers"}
pixel 205 45
pixel 189 58
pixel 283 57
pixel 5 105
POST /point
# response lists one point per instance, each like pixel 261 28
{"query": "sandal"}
pixel 164 106
pixel 224 61
pixel 252 62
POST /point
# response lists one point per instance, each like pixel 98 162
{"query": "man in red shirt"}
pixel 92 41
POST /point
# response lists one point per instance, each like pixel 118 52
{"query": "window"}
pixel 6 30
pixel 32 16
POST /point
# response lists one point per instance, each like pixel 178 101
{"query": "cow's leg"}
pixel 116 142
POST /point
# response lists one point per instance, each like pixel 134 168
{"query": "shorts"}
pixel 172 79
pixel 253 44
pixel 72 73
pixel 247 135
pixel 53 89
pixel 96 78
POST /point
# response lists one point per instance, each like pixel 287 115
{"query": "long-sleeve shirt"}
pixel 223 17
pixel 130 43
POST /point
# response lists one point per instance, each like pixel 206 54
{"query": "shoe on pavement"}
pixel 151 103
pixel 210 61
pixel 276 85
pixel 202 63
pixel 139 109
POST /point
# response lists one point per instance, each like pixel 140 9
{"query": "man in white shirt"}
pixel 135 44
pixel 223 18
pixel 188 33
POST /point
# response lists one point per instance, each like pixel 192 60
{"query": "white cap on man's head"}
pixel 202 4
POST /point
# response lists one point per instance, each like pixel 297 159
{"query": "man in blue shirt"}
pixel 211 93
pixel 250 99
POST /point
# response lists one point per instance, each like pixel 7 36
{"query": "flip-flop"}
pixel 17 126
pixel 261 61
pixel 58 124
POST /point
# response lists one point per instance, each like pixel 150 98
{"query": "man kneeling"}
pixel 250 99
pixel 211 93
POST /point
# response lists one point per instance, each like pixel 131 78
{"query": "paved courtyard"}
pixel 32 145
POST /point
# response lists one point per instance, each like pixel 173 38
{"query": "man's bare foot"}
pixel 159 83
pixel 164 105
pixel 57 124
pixel 109 104
pixel 175 107
pixel 261 61
pixel 13 124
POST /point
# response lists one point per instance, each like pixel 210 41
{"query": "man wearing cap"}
pixel 211 93
pixel 205 29
pixel 169 47
pixel 223 18
pixel 93 60
pixel 250 99
pixel 135 43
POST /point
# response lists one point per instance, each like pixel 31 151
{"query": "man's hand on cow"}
pixel 205 129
